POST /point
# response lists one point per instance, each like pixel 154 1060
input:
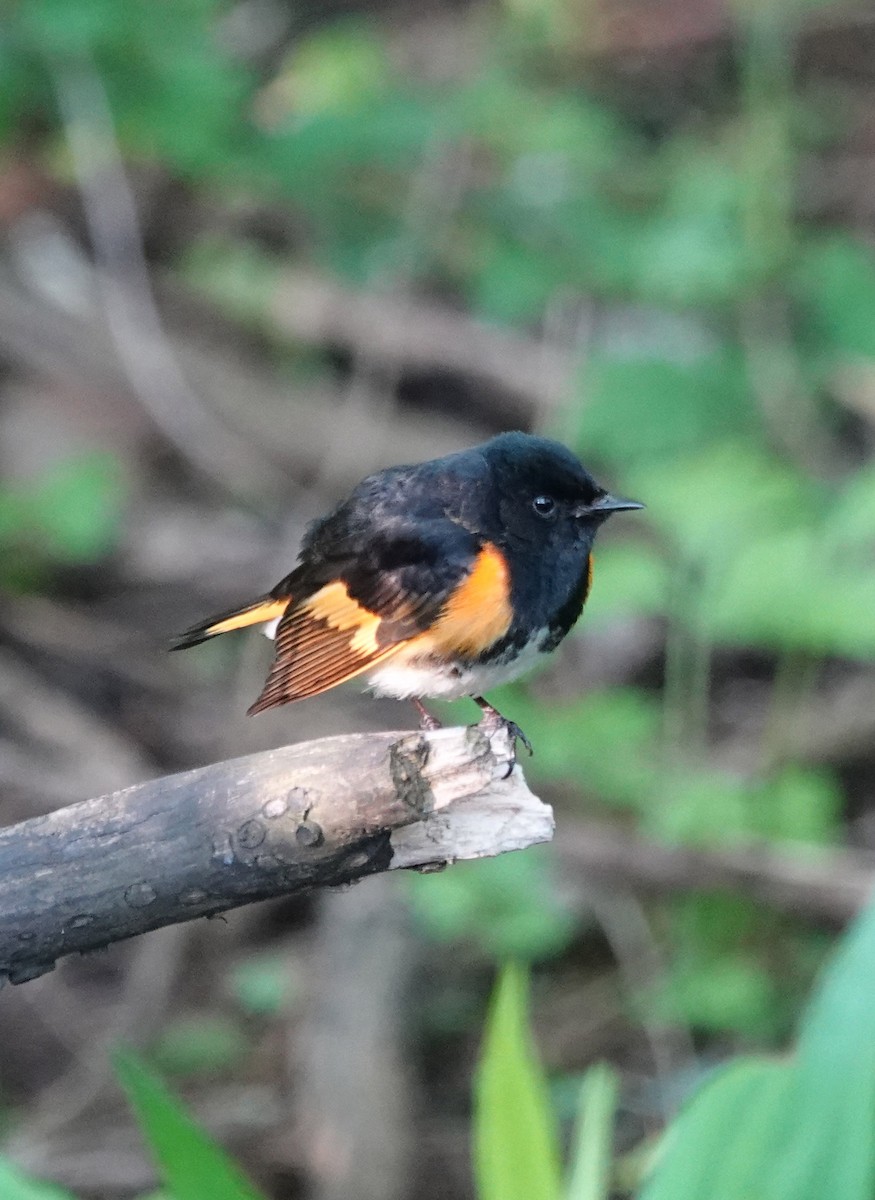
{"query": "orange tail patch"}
pixel 259 612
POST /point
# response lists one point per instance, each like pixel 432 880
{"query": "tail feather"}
pixel 266 608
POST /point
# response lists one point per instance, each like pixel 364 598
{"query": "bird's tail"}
pixel 267 608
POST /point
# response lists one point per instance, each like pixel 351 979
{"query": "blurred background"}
pixel 251 251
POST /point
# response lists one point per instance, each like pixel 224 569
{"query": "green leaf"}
pixel 627 579
pixel 718 1146
pixel 265 984
pixel 714 502
pixel 192 1165
pixel 593 1151
pixel 15 1185
pixel 516 1153
pixel 828 1131
pixel 803 1130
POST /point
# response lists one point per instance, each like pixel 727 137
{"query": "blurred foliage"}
pixel 264 985
pixel 15 1185
pixel 800 1127
pixel 516 1154
pixel 190 1163
pixel 507 906
pixel 709 390
pixel 714 389
pixel 70 514
pixel 795 1128
pixel 200 1045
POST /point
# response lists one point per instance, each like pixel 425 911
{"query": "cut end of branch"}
pixel 497 814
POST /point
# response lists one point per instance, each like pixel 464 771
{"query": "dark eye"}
pixel 544 506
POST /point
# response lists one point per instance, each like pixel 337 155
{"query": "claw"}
pixel 492 720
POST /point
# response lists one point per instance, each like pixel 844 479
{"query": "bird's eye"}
pixel 544 506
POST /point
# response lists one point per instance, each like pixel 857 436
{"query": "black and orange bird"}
pixel 442 579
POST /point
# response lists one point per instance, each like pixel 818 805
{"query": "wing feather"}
pixel 352 613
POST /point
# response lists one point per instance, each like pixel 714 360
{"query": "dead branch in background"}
pixel 317 814
pixel 414 334
pixel 822 883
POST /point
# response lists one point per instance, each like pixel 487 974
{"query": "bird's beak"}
pixel 605 505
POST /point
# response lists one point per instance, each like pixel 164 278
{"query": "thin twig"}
pixel 124 283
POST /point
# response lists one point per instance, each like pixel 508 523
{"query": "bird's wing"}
pixel 358 601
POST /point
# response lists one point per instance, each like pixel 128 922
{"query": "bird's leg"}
pixel 492 719
pixel 426 720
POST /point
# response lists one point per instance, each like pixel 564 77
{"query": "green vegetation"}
pixel 736 339
pixel 791 1128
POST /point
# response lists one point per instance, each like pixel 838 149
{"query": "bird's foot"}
pixel 426 720
pixel 493 720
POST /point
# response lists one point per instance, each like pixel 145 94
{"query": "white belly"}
pixel 420 677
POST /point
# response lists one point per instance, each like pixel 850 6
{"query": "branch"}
pixel 824 883
pixel 317 814
pixel 406 332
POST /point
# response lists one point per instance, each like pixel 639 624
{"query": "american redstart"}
pixel 441 579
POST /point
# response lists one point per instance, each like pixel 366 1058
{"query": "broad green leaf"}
pixel 593 1144
pixel 15 1185
pixel 191 1164
pixel 337 68
pixel 712 503
pixel 516 1152
pixel 850 523
pixel 719 1145
pixel 802 1130
pixel 828 1128
pixel 770 595
pixel 706 806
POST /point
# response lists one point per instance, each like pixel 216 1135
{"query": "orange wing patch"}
pixel 334 605
pixel 479 611
pixel 320 643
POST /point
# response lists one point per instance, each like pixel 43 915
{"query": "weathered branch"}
pixel 314 815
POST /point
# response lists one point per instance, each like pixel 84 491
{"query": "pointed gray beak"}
pixel 605 505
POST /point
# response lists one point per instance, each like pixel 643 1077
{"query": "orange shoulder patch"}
pixel 479 612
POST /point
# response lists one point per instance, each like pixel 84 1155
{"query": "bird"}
pixel 441 579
